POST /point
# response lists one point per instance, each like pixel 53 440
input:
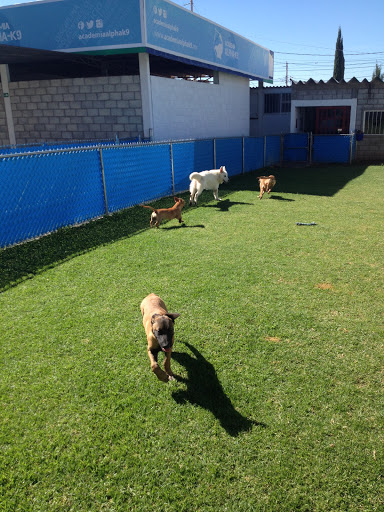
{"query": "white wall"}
pixel 193 110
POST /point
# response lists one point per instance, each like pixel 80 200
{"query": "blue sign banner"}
pixel 157 25
pixel 173 29
pixel 72 25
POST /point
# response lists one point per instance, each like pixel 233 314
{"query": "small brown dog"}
pixel 266 184
pixel 159 328
pixel 166 213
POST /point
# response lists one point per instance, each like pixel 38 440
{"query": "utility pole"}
pixel 286 74
pixel 191 4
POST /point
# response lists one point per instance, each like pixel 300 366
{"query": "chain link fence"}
pixel 42 191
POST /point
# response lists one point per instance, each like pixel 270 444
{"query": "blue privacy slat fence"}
pixel 229 152
pixel 43 191
pixel 189 157
pixel 136 174
pixel 254 150
pixel 296 147
pixel 272 150
pixel 331 148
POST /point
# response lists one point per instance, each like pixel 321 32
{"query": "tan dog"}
pixel 159 328
pixel 266 184
pixel 166 213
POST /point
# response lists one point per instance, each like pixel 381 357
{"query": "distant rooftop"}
pixel 332 82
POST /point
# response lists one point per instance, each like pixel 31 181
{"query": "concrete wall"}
pixel 74 109
pixel 99 108
pixel 362 96
pixel 187 110
pixel 365 95
pixel 371 148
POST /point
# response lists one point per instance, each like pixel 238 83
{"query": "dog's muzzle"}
pixel 164 342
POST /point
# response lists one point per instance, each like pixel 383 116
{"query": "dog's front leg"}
pixel 152 354
pixel 216 195
pixel 167 365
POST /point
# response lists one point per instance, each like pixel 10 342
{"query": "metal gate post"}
pixel 103 176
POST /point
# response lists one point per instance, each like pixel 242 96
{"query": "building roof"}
pixel 35 64
pixel 342 83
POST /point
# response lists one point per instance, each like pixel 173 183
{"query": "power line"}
pixel 328 55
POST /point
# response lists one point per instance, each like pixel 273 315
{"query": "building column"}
pixel 146 95
pixel 260 108
pixel 4 74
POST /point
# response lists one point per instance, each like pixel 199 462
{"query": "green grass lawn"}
pixel 279 350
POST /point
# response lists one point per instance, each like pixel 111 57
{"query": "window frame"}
pixel 277 103
pixel 367 130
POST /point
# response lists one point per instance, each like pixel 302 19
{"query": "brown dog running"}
pixel 159 328
pixel 166 213
pixel 266 184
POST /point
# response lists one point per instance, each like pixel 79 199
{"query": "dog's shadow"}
pixel 280 198
pixel 224 205
pixel 181 226
pixel 204 389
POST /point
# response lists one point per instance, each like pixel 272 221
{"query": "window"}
pixel 286 102
pixel 374 122
pixel 276 103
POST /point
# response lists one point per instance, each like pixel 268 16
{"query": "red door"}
pixel 332 120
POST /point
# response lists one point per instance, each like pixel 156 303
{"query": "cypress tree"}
pixel 339 65
pixel 378 73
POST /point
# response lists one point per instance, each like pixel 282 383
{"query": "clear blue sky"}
pixel 303 33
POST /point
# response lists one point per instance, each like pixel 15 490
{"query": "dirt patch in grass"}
pixel 324 286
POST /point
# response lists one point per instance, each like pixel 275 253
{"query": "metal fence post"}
pixel 310 147
pixel 214 153
pixel 103 176
pixel 173 172
pixel 242 171
pixel 350 148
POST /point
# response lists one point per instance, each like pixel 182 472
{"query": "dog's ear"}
pixel 222 168
pixel 173 316
pixel 153 318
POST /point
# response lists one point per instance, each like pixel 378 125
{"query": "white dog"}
pixel 206 180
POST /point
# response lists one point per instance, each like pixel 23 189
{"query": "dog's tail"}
pixel 195 176
pixel 150 207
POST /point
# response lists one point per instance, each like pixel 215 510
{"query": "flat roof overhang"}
pixel 27 64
